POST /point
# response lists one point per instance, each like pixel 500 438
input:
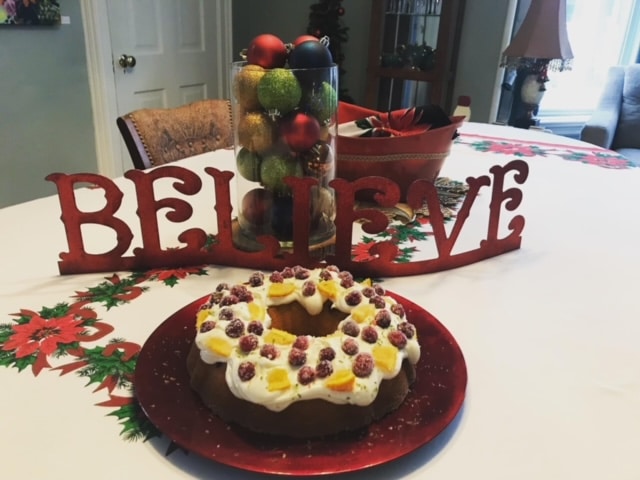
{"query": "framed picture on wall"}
pixel 29 12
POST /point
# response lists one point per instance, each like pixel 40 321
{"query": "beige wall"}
pixel 45 115
pixel 45 109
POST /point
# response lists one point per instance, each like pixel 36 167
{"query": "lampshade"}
pixel 542 35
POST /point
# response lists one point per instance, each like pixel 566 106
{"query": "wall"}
pixel 45 117
pixel 486 30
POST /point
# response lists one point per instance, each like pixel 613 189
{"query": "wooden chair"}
pixel 155 136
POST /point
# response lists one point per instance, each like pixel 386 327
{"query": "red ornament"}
pixel 256 207
pixel 268 51
pixel 304 38
pixel 300 131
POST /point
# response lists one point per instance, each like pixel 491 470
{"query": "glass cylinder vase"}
pixel 285 125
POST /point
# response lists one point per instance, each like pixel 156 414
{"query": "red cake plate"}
pixel 163 391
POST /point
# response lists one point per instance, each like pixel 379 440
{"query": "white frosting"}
pixel 216 346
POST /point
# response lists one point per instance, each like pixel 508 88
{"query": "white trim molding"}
pixel 102 85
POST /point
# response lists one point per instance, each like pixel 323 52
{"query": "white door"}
pixel 178 48
pixel 182 51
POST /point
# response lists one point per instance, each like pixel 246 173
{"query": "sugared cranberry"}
pixel 332 268
pixel 325 274
pixel 248 343
pixel 379 289
pixel 206 326
pixel 308 288
pixel 242 292
pixel 306 375
pixel 350 346
pixel 216 297
pixel 398 310
pixel 256 279
pixel 246 371
pixel 276 277
pixel 297 357
pixel 327 353
pixel 351 328
pixel 382 319
pixel 301 273
pixel 255 327
pixel 270 351
pixel 225 314
pixel 324 369
pixel 408 329
pixel 362 365
pixel 368 292
pixel 287 272
pixel 378 301
pixel 222 286
pixel 346 279
pixel 229 300
pixel 353 298
pixel 235 328
pixel 301 342
pixel 369 334
pixel 397 339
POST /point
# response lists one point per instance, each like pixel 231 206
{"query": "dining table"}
pixel 548 336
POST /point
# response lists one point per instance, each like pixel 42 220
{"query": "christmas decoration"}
pixel 268 51
pixel 324 20
pixel 310 54
pixel 322 102
pixel 245 86
pixel 300 131
pixel 304 38
pixel 248 165
pixel 279 90
pixel 296 109
pixel 256 208
pixel 256 132
pixel 275 167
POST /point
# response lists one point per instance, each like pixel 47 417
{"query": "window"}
pixel 602 33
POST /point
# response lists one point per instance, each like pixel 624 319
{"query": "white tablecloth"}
pixel 550 334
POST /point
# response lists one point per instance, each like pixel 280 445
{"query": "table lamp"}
pixel 540 44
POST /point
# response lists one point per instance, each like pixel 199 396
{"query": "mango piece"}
pixel 219 346
pixel 256 311
pixel 279 337
pixel 281 289
pixel 201 317
pixel 363 312
pixel 328 288
pixel 341 381
pixel 278 379
pixel 385 357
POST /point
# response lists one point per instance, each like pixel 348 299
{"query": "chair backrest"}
pixel 628 130
pixel 155 136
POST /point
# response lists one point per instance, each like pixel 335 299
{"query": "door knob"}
pixel 127 61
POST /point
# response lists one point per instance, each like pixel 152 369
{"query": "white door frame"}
pixel 104 105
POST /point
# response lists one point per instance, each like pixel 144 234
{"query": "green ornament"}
pixel 279 90
pixel 322 103
pixel 274 168
pixel 248 164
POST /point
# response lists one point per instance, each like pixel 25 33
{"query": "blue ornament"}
pixel 310 54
